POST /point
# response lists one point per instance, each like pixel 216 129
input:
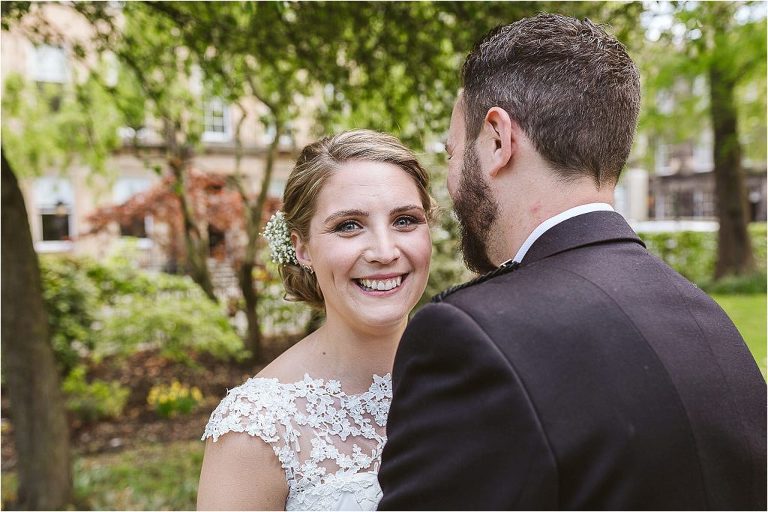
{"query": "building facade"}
pixel 59 200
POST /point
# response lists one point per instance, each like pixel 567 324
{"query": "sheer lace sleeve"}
pixel 260 408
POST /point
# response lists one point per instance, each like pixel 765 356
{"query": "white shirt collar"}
pixel 553 221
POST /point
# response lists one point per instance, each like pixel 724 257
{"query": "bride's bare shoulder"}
pixel 291 365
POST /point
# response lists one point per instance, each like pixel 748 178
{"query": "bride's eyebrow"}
pixel 345 213
pixel 401 209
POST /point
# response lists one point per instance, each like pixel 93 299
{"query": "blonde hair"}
pixel 315 164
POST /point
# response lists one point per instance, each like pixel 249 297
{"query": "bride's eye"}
pixel 348 226
pixel 406 221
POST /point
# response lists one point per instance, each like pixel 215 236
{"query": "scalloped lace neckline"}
pixel 333 386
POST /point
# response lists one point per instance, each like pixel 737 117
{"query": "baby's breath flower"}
pixel 279 237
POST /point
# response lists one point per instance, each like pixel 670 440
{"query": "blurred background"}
pixel 145 144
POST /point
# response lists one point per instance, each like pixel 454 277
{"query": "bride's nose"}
pixel 382 249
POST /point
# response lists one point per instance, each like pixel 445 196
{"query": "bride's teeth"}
pixel 386 285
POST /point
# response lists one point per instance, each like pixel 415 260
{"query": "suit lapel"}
pixel 587 229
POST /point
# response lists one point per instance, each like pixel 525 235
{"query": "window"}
pixel 286 140
pixel 683 204
pixel 54 200
pixel 703 158
pixel 49 64
pixel 662 159
pixel 55 223
pixel 217 246
pixel 216 121
pixel 122 191
pixel 269 134
pixel 125 188
pixel 135 227
pixel 703 203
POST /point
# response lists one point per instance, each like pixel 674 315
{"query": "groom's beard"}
pixel 477 213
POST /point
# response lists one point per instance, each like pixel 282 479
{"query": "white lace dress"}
pixel 328 442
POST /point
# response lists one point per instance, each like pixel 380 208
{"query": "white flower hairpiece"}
pixel 279 237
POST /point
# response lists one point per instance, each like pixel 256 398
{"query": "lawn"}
pixel 160 476
pixel 748 312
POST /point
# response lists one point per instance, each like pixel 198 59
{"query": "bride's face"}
pixel 369 244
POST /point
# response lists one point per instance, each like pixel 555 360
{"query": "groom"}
pixel 581 372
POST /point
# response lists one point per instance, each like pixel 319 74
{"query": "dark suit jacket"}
pixel 591 377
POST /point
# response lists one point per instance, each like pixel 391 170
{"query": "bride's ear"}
pixel 302 250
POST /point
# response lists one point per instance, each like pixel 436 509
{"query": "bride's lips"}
pixel 363 283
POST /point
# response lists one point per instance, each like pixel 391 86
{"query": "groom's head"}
pixel 547 92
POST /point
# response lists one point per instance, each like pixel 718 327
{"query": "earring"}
pixel 308 269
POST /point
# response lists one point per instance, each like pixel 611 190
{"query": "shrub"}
pixel 736 285
pixel 694 254
pixel 178 398
pixel 71 300
pixel 95 400
pixel 99 309
pixel 277 315
pixel 176 323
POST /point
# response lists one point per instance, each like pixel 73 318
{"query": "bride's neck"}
pixel 355 354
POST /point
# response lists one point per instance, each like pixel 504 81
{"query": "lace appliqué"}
pixel 329 443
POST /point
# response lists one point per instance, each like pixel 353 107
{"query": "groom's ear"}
pixel 497 140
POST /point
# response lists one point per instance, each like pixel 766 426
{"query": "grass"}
pixel 748 312
pixel 152 477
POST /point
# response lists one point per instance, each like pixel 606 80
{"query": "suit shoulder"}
pixel 439 326
pixel 511 287
pixel 502 270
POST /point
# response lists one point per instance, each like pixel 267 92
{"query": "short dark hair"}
pixel 570 86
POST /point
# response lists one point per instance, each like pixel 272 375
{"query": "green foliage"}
pixel 176 323
pixel 727 36
pixel 748 313
pixel 389 66
pixel 71 300
pixel 446 265
pixel 96 400
pixel 53 126
pixel 156 72
pixel 694 254
pixel 104 309
pixel 152 477
pixel 394 66
pixel 12 12
pixel 173 400
pixel 277 315
pixel 743 285
pixel 160 476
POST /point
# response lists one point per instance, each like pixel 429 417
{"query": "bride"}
pixel 353 239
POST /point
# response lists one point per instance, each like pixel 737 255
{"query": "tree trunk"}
pixel 245 271
pixel 196 244
pixel 29 369
pixel 734 253
pixel 252 226
pixel 253 337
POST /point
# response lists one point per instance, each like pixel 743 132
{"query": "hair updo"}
pixel 313 167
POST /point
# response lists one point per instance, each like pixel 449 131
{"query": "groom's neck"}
pixel 525 210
